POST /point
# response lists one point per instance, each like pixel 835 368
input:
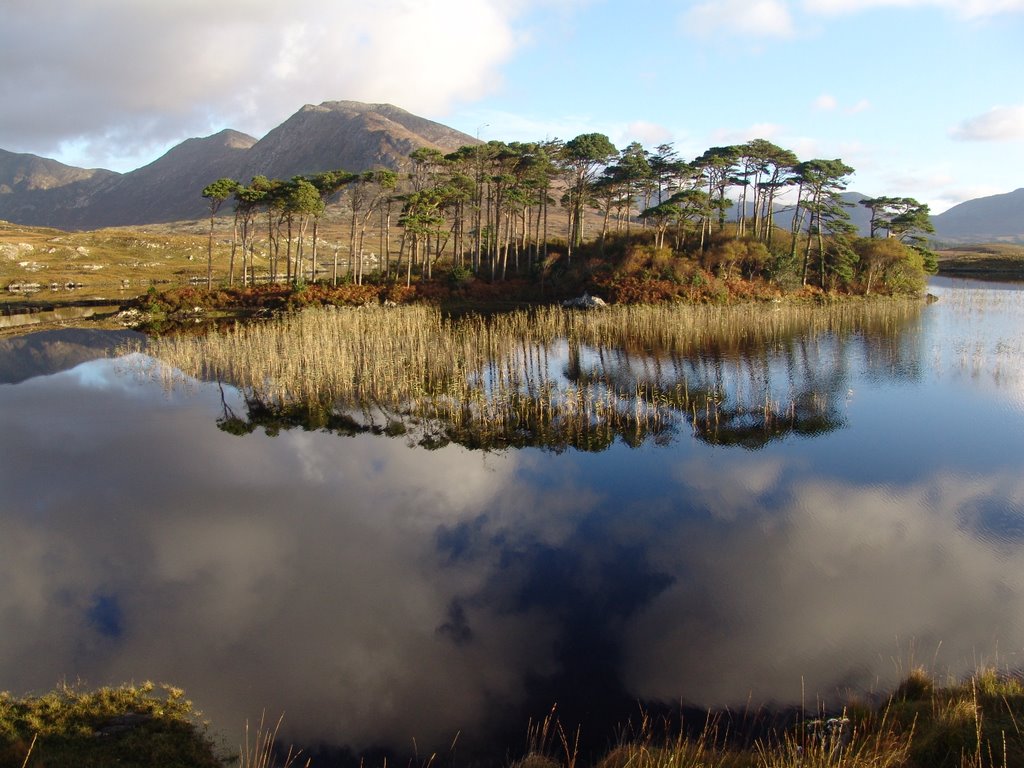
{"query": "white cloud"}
pixel 741 18
pixel 969 9
pixel 954 195
pixel 826 102
pixel 648 134
pixel 118 74
pixel 740 135
pixel 998 124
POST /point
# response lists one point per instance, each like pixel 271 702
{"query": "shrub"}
pixel 125 726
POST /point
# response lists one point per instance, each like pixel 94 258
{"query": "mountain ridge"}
pixel 340 134
pixel 347 135
pixel 983 219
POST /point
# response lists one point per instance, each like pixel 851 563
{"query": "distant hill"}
pixel 347 135
pixel 336 134
pixel 860 216
pixel 985 219
pixel 21 173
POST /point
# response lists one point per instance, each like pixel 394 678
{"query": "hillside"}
pixel 347 135
pixel 985 219
pixel 336 134
pixel 860 217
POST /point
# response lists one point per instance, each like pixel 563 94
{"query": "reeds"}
pixel 549 375
pixel 259 750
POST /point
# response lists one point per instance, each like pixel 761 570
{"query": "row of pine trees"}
pixel 494 208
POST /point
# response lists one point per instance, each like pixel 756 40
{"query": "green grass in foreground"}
pixel 969 724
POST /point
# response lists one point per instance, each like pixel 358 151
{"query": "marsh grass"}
pixel 259 749
pixel 974 723
pixel 971 723
pixel 985 260
pixel 557 377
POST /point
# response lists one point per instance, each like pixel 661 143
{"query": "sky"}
pixel 923 98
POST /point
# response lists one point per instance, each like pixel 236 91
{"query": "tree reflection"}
pixel 569 392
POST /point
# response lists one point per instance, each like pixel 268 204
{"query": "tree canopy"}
pixel 500 209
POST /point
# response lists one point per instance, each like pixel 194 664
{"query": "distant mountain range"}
pixel 983 220
pixel 336 134
pixel 998 218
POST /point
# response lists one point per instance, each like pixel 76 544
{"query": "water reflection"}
pixel 747 384
pixel 377 592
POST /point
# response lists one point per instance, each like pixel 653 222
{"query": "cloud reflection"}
pixel 816 592
pixel 299 572
pixel 376 592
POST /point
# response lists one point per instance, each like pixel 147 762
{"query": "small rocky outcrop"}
pixel 586 301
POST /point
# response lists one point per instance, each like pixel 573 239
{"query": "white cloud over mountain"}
pixel 123 76
pixel 998 124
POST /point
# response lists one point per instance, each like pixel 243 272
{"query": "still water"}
pixel 381 594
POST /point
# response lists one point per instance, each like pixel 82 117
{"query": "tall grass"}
pixel 569 377
pixel 259 749
pixel 972 723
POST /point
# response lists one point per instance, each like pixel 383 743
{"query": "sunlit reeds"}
pixel 547 376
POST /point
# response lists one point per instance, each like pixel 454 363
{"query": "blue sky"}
pixel 922 97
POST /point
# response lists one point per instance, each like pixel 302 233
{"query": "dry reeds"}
pixel 259 750
pixel 563 377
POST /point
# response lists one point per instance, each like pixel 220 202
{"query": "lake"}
pixel 821 513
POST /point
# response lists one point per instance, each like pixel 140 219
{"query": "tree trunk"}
pixel 312 256
pixel 231 261
pixel 209 253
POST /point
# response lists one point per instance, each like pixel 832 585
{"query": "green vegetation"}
pixel 142 726
pixel 520 216
pixel 973 723
pixel 992 260
pixel 488 209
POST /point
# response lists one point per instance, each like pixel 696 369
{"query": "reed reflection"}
pixel 554 379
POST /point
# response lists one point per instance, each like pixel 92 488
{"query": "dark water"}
pixel 378 593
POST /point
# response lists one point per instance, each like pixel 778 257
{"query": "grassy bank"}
pixel 995 261
pixel 972 723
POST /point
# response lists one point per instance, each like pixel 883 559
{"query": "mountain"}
pixel 31 185
pixel 336 134
pixel 985 219
pixel 860 216
pixel 345 134
pixel 27 173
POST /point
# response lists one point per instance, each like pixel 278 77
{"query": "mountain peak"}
pixel 349 135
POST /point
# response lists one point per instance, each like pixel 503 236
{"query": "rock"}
pixel 586 301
